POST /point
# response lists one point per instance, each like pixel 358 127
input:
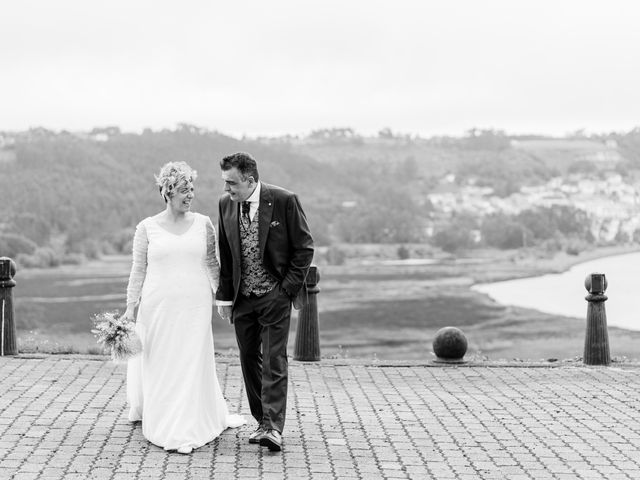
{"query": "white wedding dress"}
pixel 173 386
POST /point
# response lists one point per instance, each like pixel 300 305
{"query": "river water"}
pixel 563 294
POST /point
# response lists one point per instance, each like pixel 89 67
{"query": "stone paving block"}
pixel 541 474
pixel 347 420
pixel 155 471
pixel 25 476
pixel 54 475
pixel 31 467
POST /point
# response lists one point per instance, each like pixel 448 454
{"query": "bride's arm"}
pixel 138 269
pixel 212 265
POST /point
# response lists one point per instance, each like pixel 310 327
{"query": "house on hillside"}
pixel 7 141
pixel 7 148
pixel 103 134
pixel 608 156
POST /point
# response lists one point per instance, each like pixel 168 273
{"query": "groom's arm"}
pixel 224 294
pixel 300 245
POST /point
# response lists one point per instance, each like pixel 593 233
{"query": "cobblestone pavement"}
pixel 64 417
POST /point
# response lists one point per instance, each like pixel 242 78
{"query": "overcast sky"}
pixel 271 67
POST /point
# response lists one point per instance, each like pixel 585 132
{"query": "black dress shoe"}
pixel 272 439
pixel 256 435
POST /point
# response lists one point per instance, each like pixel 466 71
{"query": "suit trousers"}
pixel 262 333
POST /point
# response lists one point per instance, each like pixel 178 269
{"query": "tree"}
pixel 31 226
pixel 487 139
pixel 538 223
pixel 503 232
pixel 452 239
pixel 386 215
pixel 407 169
pixel 337 135
pixel 386 134
pixel 457 235
pixel 11 245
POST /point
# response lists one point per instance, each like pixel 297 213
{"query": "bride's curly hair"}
pixel 172 176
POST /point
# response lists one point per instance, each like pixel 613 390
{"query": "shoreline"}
pixel 563 263
pixel 374 310
pixel 568 261
pixel 521 264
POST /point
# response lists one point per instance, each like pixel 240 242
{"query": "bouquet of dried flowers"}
pixel 117 334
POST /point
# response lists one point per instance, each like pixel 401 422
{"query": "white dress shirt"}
pixel 254 201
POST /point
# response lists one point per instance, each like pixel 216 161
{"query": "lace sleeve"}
pixel 212 266
pixel 138 266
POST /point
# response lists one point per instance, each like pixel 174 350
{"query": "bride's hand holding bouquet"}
pixel 117 333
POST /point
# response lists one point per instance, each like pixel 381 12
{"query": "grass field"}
pixel 375 310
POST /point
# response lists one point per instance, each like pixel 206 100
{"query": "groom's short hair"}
pixel 244 162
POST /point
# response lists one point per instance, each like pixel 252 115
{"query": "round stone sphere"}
pixel 450 344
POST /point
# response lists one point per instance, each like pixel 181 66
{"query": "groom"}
pixel 265 252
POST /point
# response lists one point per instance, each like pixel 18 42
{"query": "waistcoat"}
pixel 254 278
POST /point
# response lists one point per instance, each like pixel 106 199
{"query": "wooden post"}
pixel 8 336
pixel 307 347
pixel 596 342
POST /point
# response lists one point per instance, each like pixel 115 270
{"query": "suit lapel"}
pixel 266 212
pixel 233 226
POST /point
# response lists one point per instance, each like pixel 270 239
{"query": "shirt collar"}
pixel 255 196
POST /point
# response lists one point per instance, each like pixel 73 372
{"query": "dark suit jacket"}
pixel 285 243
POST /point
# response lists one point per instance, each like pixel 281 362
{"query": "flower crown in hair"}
pixel 172 175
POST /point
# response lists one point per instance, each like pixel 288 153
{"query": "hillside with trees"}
pixel 70 196
pixel 66 197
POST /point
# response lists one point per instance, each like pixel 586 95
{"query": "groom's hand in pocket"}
pixel 225 313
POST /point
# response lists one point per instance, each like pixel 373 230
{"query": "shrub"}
pixel 503 232
pixel 572 250
pixel 107 248
pixel 12 244
pixel 336 256
pixel 27 261
pixel 91 249
pixel 403 252
pixel 73 259
pixel 31 226
pixel 42 258
pixel 451 239
pixel 575 246
pixel 119 241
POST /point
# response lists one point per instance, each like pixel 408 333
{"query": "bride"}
pixel 173 387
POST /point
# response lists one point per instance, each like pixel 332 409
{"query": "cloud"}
pixel 285 66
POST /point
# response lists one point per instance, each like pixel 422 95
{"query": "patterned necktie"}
pixel 246 206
